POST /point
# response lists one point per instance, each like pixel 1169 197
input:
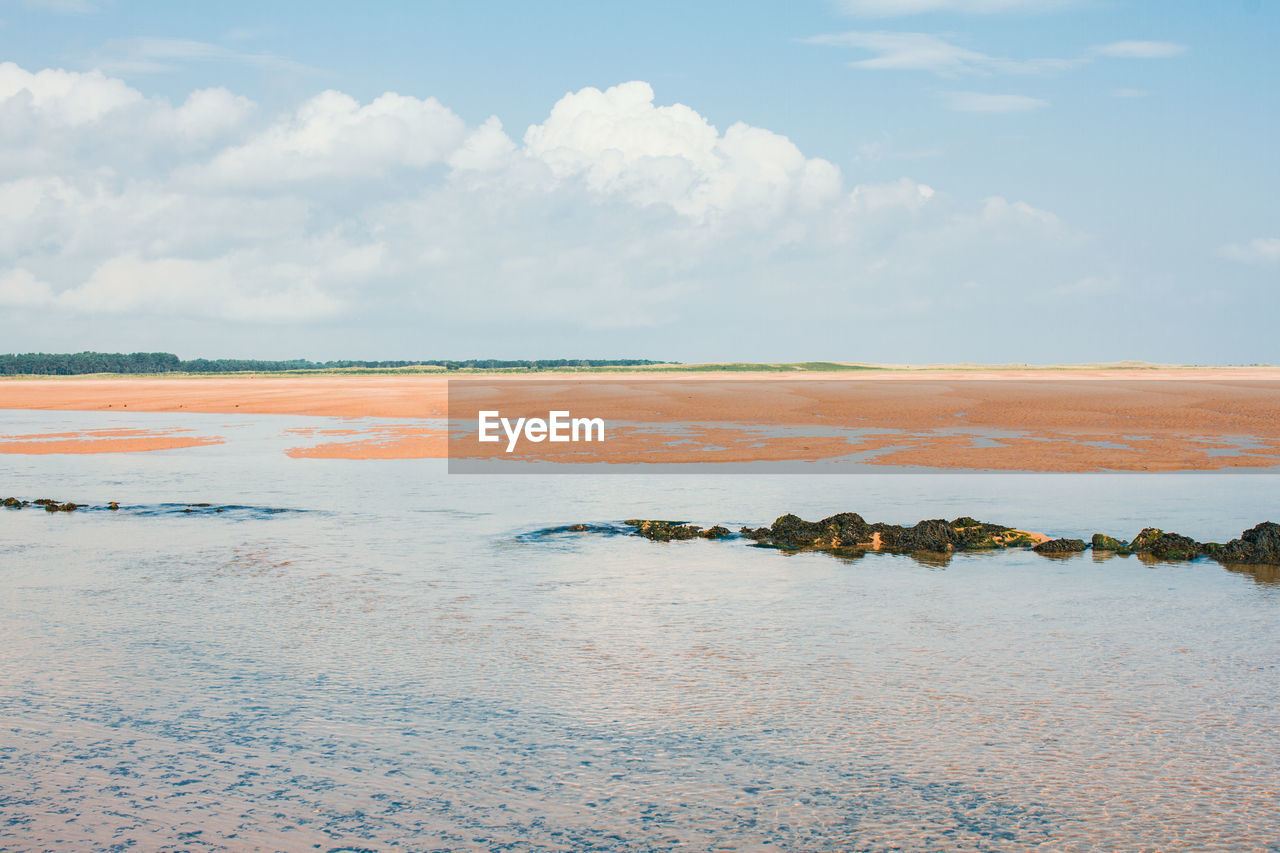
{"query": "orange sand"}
pixel 141 444
pixel 1160 419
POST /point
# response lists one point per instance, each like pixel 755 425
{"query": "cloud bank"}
pixel 394 227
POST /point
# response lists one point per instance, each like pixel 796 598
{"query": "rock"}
pixel 716 532
pixel 12 503
pixel 1106 543
pixel 44 502
pixel 663 531
pixel 1259 544
pixel 792 531
pixel 113 506
pixel 54 506
pixel 848 530
pixel 843 530
pixel 1165 546
pixel 974 535
pixel 1060 546
pixel 934 535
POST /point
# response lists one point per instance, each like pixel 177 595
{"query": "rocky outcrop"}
pixel 1060 546
pixel 1165 546
pixel 1257 545
pixel 850 531
pixel 1102 542
pixel 667 531
pixel 850 534
pixel 49 504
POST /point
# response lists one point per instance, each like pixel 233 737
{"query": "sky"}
pixel 997 181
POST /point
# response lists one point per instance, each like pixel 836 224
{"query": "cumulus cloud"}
pixel 79 115
pixel 394 218
pixel 64 97
pixel 620 144
pixel 1260 250
pixel 333 136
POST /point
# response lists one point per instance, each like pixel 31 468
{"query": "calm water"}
pixel 396 664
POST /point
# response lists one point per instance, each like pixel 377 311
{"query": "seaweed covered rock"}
pixel 934 534
pixel 13 503
pixel 974 535
pixel 843 530
pixel 1165 546
pixel 54 506
pixel 848 530
pixel 1060 546
pixel 1259 545
pixel 1102 542
pixel 716 532
pixel 792 531
pixel 663 531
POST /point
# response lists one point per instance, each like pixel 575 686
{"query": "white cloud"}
pixel 20 289
pixel 49 103
pixel 333 136
pixel 938 54
pixel 983 102
pixel 1140 49
pixel 1260 250
pixel 614 215
pixel 895 8
pixel 620 144
pixel 235 287
pixel 905 51
pixel 64 97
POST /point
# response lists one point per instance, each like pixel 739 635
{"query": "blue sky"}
pixel 915 180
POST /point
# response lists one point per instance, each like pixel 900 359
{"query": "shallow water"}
pixel 394 663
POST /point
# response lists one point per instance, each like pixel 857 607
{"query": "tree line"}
pixel 68 364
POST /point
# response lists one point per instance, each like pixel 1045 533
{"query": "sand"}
pixel 1157 419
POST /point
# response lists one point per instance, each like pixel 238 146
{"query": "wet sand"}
pixel 104 441
pixel 1158 419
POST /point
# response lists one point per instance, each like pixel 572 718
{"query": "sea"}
pixel 350 655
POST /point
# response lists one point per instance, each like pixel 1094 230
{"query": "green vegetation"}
pixel 68 364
